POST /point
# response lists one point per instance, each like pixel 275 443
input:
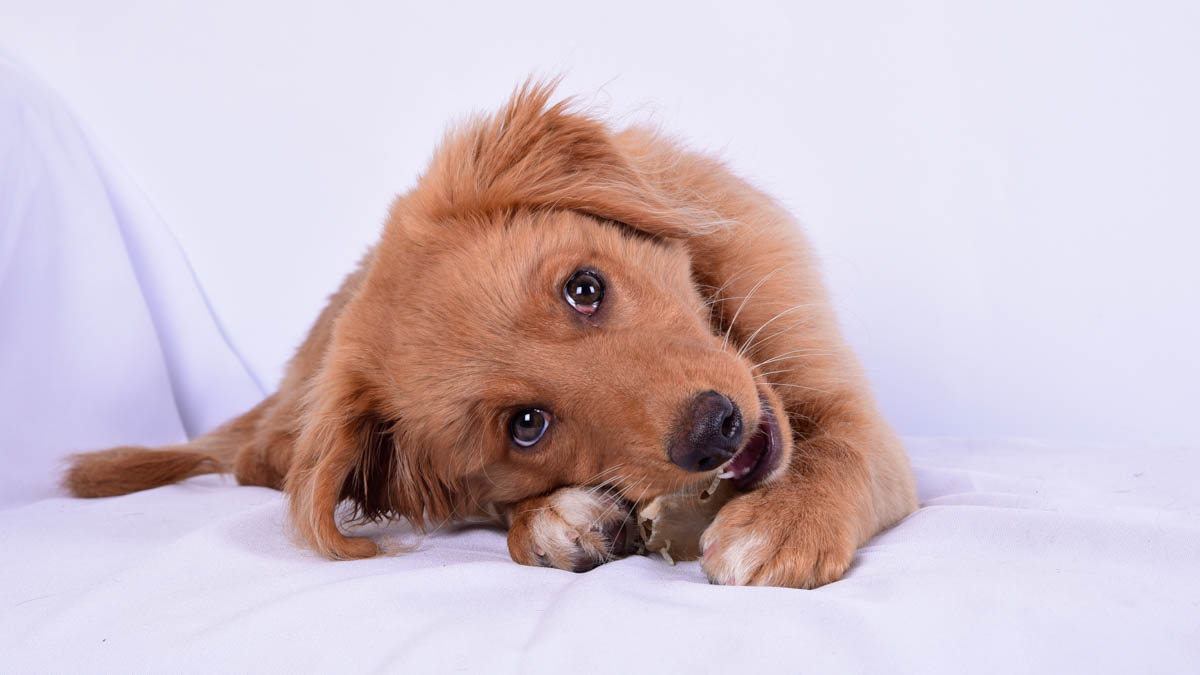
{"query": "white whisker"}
pixel 750 340
pixel 791 355
pixel 742 306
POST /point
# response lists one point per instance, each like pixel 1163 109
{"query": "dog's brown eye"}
pixel 584 291
pixel 528 426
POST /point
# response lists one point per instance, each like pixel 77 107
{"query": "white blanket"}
pixel 1025 555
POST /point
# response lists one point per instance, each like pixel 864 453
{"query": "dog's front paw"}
pixel 572 529
pixel 774 537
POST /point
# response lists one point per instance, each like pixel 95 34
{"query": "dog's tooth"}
pixel 727 473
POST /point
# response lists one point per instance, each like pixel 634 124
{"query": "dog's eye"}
pixel 584 291
pixel 528 426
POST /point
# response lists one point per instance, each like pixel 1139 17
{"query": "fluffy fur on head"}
pixel 400 399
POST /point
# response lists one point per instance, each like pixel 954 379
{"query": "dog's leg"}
pixel 848 476
pixel 803 529
pixel 572 528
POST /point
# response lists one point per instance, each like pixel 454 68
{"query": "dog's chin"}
pixel 761 459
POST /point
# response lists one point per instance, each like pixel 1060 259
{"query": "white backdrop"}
pixel 1005 194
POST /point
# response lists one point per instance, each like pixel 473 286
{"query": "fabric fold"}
pixel 105 337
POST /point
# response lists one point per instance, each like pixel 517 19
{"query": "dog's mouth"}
pixel 759 458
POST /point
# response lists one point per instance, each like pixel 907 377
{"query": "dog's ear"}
pixel 538 154
pixel 349 450
pixel 337 434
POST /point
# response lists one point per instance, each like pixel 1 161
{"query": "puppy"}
pixel 554 307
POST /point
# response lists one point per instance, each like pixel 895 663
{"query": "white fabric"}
pixel 105 339
pixel 1025 555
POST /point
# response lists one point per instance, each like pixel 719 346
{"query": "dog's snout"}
pixel 708 434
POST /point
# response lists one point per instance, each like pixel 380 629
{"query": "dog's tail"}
pixel 126 469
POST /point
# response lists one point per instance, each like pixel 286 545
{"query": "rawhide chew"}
pixel 671 525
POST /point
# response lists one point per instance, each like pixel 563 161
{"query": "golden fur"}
pixel 396 402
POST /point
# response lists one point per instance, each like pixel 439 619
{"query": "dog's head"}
pixel 535 316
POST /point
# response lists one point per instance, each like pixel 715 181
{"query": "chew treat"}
pixel 671 525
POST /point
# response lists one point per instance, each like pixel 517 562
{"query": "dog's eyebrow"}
pixel 534 273
pixel 629 229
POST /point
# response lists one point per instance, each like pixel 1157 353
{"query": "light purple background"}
pixel 1004 194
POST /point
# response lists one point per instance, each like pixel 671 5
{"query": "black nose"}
pixel 708 434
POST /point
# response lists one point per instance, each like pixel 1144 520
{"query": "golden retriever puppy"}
pixel 557 306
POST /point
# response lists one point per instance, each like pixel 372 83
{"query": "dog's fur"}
pixel 397 401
